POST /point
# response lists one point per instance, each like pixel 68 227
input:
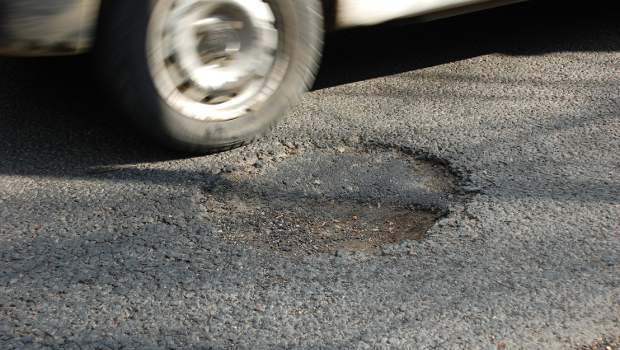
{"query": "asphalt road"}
pixel 503 126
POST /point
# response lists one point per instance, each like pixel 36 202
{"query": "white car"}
pixel 202 75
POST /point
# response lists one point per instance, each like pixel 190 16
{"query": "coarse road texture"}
pixel 504 126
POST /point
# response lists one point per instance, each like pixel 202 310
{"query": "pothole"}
pixel 323 201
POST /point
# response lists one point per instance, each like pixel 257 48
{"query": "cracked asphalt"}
pixel 509 121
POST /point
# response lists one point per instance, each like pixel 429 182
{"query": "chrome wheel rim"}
pixel 214 60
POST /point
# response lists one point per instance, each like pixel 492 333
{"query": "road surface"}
pixel 447 185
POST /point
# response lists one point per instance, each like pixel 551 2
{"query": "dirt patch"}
pixel 315 227
pixel 607 343
pixel 323 201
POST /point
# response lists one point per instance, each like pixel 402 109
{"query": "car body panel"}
pixel 47 27
pixel 352 13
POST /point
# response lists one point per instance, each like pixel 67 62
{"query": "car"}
pixel 202 75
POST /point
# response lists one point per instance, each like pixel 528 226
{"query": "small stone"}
pixel 260 308
pixel 609 260
pixel 26 340
pixel 363 345
pixel 259 164
pixel 317 182
pixel 341 253
pixel 354 140
pixel 228 168
pixel 472 189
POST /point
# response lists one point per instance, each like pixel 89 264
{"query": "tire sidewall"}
pixel 127 25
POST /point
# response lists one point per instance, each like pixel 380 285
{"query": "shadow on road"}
pixel 54 121
pixel 524 29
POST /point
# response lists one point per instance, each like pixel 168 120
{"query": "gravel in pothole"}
pixel 322 201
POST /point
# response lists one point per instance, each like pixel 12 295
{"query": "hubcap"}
pixel 214 60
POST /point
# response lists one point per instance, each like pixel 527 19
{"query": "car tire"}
pixel 127 53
